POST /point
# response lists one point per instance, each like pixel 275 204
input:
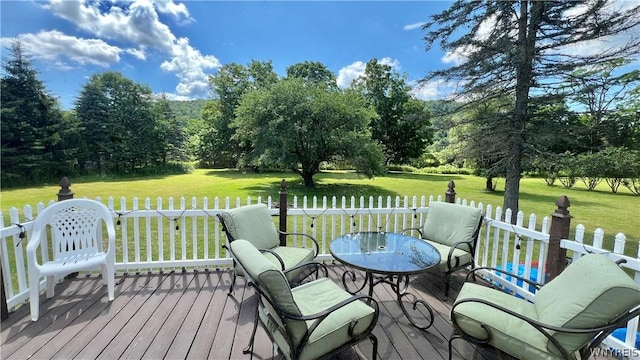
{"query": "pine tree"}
pixel 522 49
pixel 31 121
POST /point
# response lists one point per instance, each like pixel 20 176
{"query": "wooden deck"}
pixel 189 316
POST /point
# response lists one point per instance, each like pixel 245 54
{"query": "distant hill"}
pixel 188 110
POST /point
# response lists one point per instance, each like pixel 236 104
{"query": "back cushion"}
pixel 252 223
pixel 449 223
pixel 590 292
pixel 272 282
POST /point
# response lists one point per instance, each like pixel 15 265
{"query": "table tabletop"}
pixel 384 252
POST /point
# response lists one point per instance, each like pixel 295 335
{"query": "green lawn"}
pixel 613 213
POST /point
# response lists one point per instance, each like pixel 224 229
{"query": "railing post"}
pixel 560 225
pixel 450 194
pixel 65 192
pixel 283 212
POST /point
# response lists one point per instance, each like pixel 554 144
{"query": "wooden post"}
pixel 65 192
pixel 283 212
pixel 560 225
pixel 450 194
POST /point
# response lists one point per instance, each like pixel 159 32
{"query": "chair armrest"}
pixel 544 329
pixel 224 246
pixel 317 266
pixel 315 242
pixel 458 245
pixel 418 229
pixel 472 272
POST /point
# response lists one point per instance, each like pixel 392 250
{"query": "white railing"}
pixel 169 236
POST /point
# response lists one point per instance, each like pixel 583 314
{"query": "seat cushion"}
pixel 463 257
pixel 252 223
pixel 333 332
pixel 590 292
pixel 291 256
pixel 509 334
pixel 450 223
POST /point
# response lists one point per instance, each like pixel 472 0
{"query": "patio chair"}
pixel 453 230
pixel 573 313
pixel 314 320
pixel 254 224
pixel 67 238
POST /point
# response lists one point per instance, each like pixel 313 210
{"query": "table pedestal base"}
pixel 399 284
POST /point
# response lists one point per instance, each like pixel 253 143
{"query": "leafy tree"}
pixel 598 89
pixel 315 73
pixel 402 125
pixel 523 49
pixel 218 146
pixel 30 126
pixel 120 129
pixel 627 119
pixel 296 126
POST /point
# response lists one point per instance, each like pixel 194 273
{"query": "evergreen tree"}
pixel 522 49
pixel 119 126
pixel 31 121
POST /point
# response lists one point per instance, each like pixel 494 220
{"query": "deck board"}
pixel 188 315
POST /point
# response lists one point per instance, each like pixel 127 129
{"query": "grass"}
pixel 614 213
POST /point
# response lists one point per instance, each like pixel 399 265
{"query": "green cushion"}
pixel 450 223
pixel 291 256
pixel 333 331
pixel 307 299
pixel 590 292
pixel 464 257
pixel 265 274
pixel 253 223
pixel 509 334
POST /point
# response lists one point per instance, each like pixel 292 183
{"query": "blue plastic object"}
pixel 621 334
pixel 533 275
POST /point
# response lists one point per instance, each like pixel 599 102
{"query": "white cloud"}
pixel 432 90
pixel 351 72
pixel 458 56
pixel 347 74
pixel 54 45
pixel 139 25
pixel 413 26
pixel 179 11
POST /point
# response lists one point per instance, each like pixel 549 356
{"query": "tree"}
pixel 598 89
pixel 315 73
pixel 119 126
pixel 297 126
pixel 171 131
pixel 523 49
pixel 31 124
pixel 402 122
pixel 479 141
pixel 218 146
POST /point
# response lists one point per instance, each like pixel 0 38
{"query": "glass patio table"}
pixel 386 258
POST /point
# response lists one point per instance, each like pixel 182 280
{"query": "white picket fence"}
pixel 187 235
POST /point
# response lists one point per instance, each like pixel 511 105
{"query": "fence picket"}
pixel 143 241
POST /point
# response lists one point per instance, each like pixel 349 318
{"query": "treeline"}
pixel 303 122
pixel 256 119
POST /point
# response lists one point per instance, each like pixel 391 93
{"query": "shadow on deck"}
pixel 189 316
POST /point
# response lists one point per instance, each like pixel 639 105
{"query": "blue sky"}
pixel 172 46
